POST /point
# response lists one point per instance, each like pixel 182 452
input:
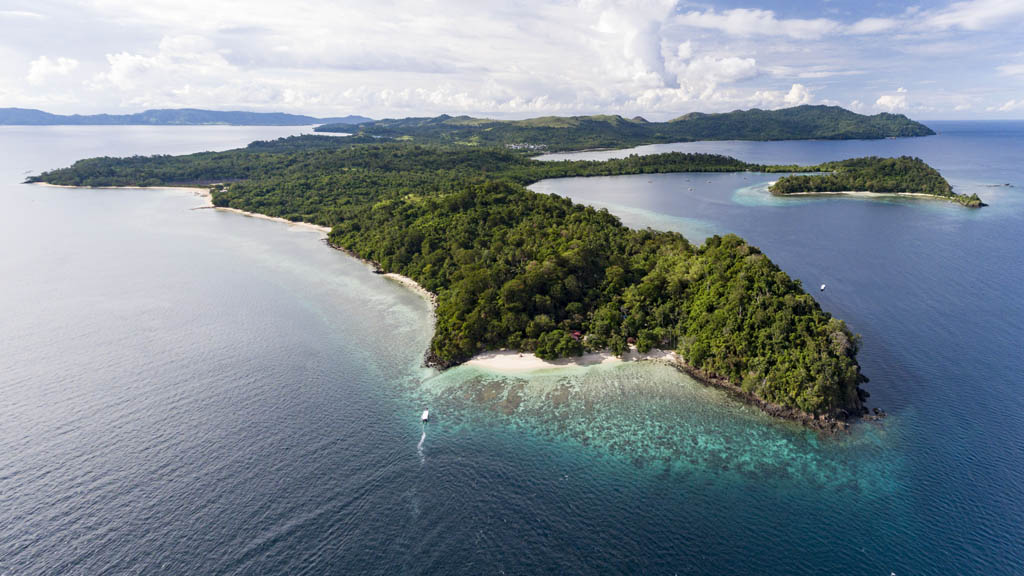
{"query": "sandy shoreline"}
pixel 197 191
pixel 866 194
pixel 322 229
pixel 855 193
pixel 512 362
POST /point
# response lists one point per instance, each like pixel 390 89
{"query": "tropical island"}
pixel 516 269
pixel 554 133
pixel 903 175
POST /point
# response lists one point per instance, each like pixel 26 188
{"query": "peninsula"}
pixel 554 133
pixel 515 269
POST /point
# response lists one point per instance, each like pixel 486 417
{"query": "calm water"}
pixel 188 391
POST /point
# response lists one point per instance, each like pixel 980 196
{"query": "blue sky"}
pixel 656 58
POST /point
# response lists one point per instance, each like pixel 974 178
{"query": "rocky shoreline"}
pixel 831 424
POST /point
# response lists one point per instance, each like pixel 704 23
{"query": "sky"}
pixel 514 59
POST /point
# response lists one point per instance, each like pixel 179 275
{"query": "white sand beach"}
pixel 866 194
pixel 415 287
pixel 324 229
pixel 512 362
pixel 197 191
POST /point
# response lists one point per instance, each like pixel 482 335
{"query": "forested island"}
pixel 512 268
pixel 554 133
pixel 903 175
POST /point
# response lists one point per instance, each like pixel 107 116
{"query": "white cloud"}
pixel 812 71
pixel 42 69
pixel 976 14
pixel 705 73
pixel 1008 106
pixel 12 14
pixel 754 22
pixel 598 55
pixel 178 58
pixel 657 58
pixel 1011 69
pixel 684 50
pixel 798 94
pixel 873 25
pixel 894 102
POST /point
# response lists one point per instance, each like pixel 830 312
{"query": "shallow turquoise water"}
pixel 188 391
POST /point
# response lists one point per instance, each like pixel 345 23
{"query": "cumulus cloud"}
pixel 894 102
pixel 700 76
pixel 43 68
pixel 177 58
pixel 798 94
pixel 658 58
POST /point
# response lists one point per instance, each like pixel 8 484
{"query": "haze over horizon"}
pixel 655 58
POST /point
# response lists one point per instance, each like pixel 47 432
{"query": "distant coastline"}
pixel 170 117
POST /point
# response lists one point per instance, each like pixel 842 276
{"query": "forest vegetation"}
pixel 555 133
pixel 512 268
pixel 903 175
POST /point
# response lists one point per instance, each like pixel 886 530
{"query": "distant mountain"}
pixel 555 133
pixel 350 119
pixel 170 117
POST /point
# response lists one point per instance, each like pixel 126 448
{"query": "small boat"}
pixel 426 415
pixel 822 289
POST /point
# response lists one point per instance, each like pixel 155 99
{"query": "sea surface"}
pixel 190 391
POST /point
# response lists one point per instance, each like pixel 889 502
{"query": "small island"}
pixel 510 268
pixel 904 176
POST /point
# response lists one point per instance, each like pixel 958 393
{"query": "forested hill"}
pixel 555 133
pixel 516 269
pixel 173 117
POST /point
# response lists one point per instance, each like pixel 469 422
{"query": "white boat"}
pixel 822 287
pixel 426 415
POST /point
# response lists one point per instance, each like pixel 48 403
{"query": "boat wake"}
pixel 419 447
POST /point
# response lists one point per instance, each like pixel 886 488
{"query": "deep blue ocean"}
pixel 192 391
